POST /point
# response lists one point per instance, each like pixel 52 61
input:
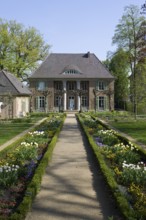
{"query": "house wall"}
pixel 92 85
pixel 6 108
pixel 21 106
pixel 108 93
pixel 15 108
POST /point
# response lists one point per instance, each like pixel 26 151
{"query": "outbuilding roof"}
pixel 10 84
pixel 87 65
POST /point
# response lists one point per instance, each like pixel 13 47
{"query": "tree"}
pixel 126 37
pixel 21 49
pixel 119 67
pixel 141 84
pixel 4 44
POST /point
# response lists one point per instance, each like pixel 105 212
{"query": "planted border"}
pixel 34 184
pixel 109 176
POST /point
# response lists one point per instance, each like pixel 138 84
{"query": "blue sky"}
pixel 70 26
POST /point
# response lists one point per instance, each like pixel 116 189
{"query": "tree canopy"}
pixel 21 49
pixel 119 67
pixel 127 37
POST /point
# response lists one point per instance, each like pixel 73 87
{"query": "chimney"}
pixel 88 54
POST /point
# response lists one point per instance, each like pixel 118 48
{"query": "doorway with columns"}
pixel 72 95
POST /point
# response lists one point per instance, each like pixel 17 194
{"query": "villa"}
pixel 71 82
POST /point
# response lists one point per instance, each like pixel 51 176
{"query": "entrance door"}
pixel 71 102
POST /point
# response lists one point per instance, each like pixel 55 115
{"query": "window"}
pixel 41 86
pixel 57 101
pixel 101 85
pixel 84 101
pixel 71 85
pixel 40 102
pixel 1 103
pixel 58 85
pixel 71 71
pixel 84 85
pixel 101 103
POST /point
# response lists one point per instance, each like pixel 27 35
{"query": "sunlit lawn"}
pixel 10 130
pixel 136 129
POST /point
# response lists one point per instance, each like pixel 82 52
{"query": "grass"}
pixel 135 129
pixel 9 130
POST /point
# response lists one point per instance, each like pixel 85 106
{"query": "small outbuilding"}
pixel 14 97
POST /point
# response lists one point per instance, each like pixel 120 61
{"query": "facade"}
pixel 67 82
pixel 14 97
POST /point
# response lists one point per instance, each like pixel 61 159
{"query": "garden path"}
pixel 73 187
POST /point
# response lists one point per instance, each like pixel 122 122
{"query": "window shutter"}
pixel 105 102
pixel 97 103
pixel 105 85
pixel 97 85
pixel 36 102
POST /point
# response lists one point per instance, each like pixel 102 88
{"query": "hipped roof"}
pixel 88 65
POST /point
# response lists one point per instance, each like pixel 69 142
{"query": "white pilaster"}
pixel 79 100
pixel 64 95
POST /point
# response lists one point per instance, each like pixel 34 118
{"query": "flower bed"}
pixel 22 167
pixel 123 165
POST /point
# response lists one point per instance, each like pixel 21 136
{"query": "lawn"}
pixel 135 129
pixel 9 130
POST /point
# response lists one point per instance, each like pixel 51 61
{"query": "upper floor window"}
pixel 84 85
pixel 101 85
pixel 71 85
pixel 58 85
pixel 41 86
pixel 71 71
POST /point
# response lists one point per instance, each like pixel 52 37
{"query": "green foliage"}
pixel 21 48
pixel 119 153
pixel 138 198
pixel 140 78
pixel 127 37
pixel 8 175
pixel 119 66
pixel 22 120
pixel 28 153
pixel 132 173
pixel 135 129
pixel 127 30
pixel 25 152
pixel 115 162
pixel 108 137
